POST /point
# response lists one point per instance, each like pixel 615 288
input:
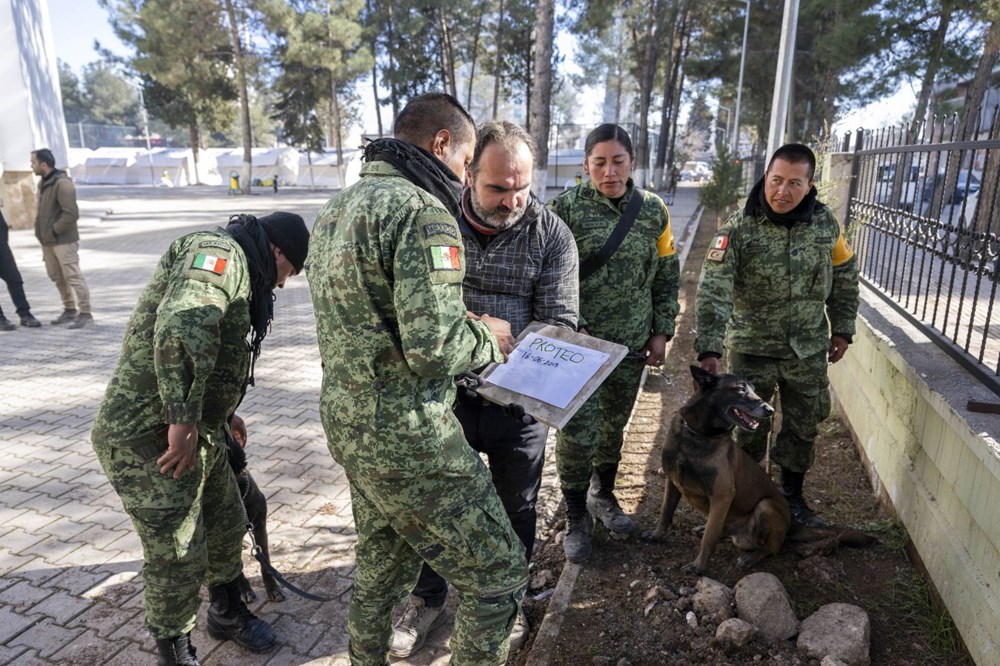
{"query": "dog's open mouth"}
pixel 743 420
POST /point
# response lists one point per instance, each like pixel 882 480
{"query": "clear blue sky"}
pixel 75 26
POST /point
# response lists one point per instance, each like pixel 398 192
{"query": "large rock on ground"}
pixel 713 600
pixel 839 630
pixel 762 601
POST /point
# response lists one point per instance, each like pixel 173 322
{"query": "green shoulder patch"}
pixel 435 228
pixel 432 229
pixel 221 244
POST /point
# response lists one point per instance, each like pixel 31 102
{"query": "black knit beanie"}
pixel 288 232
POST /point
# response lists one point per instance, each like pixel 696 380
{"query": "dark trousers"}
pixel 516 453
pixel 10 274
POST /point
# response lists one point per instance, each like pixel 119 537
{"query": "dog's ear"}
pixel 702 377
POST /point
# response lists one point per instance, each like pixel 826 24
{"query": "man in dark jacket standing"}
pixel 55 228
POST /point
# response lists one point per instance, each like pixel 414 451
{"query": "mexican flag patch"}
pixel 207 262
pixel 717 252
pixel 445 258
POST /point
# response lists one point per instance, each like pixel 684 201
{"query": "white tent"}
pixel 267 163
pixel 76 163
pixel 107 166
pixel 171 167
pixel 323 170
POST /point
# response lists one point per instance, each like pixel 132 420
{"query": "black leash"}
pixel 258 554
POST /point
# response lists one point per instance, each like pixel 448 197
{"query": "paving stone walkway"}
pixel 70 583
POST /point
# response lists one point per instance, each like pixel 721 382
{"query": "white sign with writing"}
pixel 550 370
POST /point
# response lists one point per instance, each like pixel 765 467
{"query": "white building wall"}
pixel 30 104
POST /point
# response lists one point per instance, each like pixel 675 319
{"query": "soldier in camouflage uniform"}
pixel 777 279
pixel 160 431
pixel 385 270
pixel 631 300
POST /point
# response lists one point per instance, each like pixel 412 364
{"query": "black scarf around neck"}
pixel 421 168
pixel 756 201
pixel 249 234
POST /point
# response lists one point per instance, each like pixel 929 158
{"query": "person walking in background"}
pixel 15 285
pixel 385 272
pixel 521 265
pixel 629 280
pixel 160 433
pixel 56 230
pixel 779 291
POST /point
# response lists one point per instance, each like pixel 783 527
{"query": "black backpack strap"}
pixel 599 258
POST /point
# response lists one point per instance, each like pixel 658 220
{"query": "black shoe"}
pixel 802 514
pixel 229 619
pixel 30 321
pixel 67 317
pixel 791 488
pixel 7 324
pixel 176 651
pixel 84 319
pixel 579 526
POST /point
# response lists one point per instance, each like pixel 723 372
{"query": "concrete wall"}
pixel 936 463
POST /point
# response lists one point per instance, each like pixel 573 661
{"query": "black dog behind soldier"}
pixel 256 509
pixel 717 478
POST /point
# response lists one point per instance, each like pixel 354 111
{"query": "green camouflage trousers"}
pixel 593 438
pixel 191 528
pixel 805 402
pixel 457 524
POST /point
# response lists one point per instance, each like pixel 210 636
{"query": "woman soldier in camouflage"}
pixel 629 298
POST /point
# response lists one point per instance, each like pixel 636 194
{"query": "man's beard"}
pixel 500 218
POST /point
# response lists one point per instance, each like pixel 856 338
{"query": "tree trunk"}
pixel 540 110
pixel 195 155
pixel 241 75
pixel 663 177
pixel 499 54
pixel 650 39
pixel 682 50
pixel 975 112
pixel 447 56
pixel 475 55
pixel 372 9
pixel 337 128
pixel 390 49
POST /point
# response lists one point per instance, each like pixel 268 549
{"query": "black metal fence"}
pixel 925 218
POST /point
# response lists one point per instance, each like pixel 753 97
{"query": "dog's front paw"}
pixel 652 535
pixel 275 594
pixel 693 568
pixel 246 591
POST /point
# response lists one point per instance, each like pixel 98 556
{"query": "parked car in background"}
pixel 910 186
pixel 696 171
pixel 966 185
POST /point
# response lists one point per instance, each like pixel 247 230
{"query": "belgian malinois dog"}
pixel 704 465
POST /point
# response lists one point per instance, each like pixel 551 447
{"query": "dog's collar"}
pixel 705 434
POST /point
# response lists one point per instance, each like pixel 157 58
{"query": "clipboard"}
pixel 551 372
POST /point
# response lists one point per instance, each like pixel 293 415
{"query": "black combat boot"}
pixel 603 505
pixel 791 488
pixel 579 526
pixel 230 619
pixel 176 651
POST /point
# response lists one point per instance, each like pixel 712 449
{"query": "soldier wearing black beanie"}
pixel 289 233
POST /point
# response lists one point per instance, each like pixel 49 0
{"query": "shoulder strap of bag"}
pixel 599 258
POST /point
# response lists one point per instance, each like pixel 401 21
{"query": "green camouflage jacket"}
pixel 634 295
pixel 185 355
pixel 774 291
pixel 385 268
